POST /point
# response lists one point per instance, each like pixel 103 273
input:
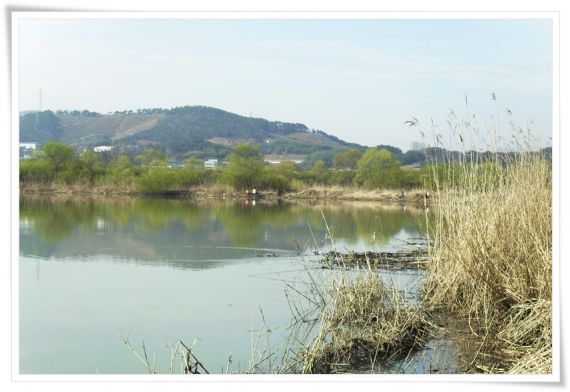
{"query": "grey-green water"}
pixel 94 270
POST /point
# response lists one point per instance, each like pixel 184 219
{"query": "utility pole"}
pixel 41 100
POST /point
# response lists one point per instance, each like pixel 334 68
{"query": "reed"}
pixel 491 259
pixel 367 323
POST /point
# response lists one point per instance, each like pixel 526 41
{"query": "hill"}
pixel 202 131
pixel 179 131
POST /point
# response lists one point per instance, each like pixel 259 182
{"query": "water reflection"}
pixel 94 269
pixel 179 232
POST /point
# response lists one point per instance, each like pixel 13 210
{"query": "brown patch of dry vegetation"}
pixel 492 258
pixel 78 188
pixel 366 324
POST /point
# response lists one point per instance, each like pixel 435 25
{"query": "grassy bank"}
pixel 214 190
pixel 103 188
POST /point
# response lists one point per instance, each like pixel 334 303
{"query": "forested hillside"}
pixel 197 130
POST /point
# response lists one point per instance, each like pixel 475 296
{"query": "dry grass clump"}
pixel 367 324
pixel 492 255
pixel 77 188
pixel 527 338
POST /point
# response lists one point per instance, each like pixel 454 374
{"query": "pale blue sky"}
pixel 356 79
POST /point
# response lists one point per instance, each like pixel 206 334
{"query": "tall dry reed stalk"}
pixel 492 255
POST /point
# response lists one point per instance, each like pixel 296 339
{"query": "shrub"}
pixel 191 177
pixel 158 180
pixel 342 177
pixel 36 170
pixel 271 179
pixel 377 169
pixel 245 165
pixel 121 170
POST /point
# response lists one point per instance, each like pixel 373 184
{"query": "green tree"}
pixel 158 180
pixel 244 168
pixel 377 169
pixel 288 170
pixel 189 177
pixel 342 177
pixel 346 159
pixel 280 177
pixel 270 179
pixel 319 174
pixel 395 151
pixel 58 154
pixel 90 166
pixel 121 170
pixel 152 157
pixel 193 162
pixel 410 178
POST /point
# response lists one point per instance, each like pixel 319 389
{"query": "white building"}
pixel 29 146
pixel 27 150
pixel 277 159
pixel 102 148
pixel 211 164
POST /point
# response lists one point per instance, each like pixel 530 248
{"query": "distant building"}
pixel 211 164
pixel 412 166
pixel 29 146
pixel 277 159
pixel 102 148
pixel 27 150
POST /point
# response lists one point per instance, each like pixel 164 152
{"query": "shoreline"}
pixel 320 193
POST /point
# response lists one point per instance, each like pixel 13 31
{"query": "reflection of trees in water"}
pixel 246 226
pixel 153 215
pixel 147 215
pixel 384 224
pixel 118 212
pixel 55 221
pixel 372 225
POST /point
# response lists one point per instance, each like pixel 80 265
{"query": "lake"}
pixel 214 274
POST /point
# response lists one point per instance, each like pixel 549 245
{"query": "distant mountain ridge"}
pixel 202 131
pixel 181 130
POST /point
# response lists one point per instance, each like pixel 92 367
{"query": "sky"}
pixel 359 80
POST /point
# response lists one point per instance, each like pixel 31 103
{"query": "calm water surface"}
pixel 94 271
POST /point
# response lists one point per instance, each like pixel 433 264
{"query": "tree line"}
pixel 244 168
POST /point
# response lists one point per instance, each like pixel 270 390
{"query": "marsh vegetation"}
pixel 479 250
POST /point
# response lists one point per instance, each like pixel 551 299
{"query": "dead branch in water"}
pixel 399 260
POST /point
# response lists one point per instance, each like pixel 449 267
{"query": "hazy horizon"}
pixel 359 80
